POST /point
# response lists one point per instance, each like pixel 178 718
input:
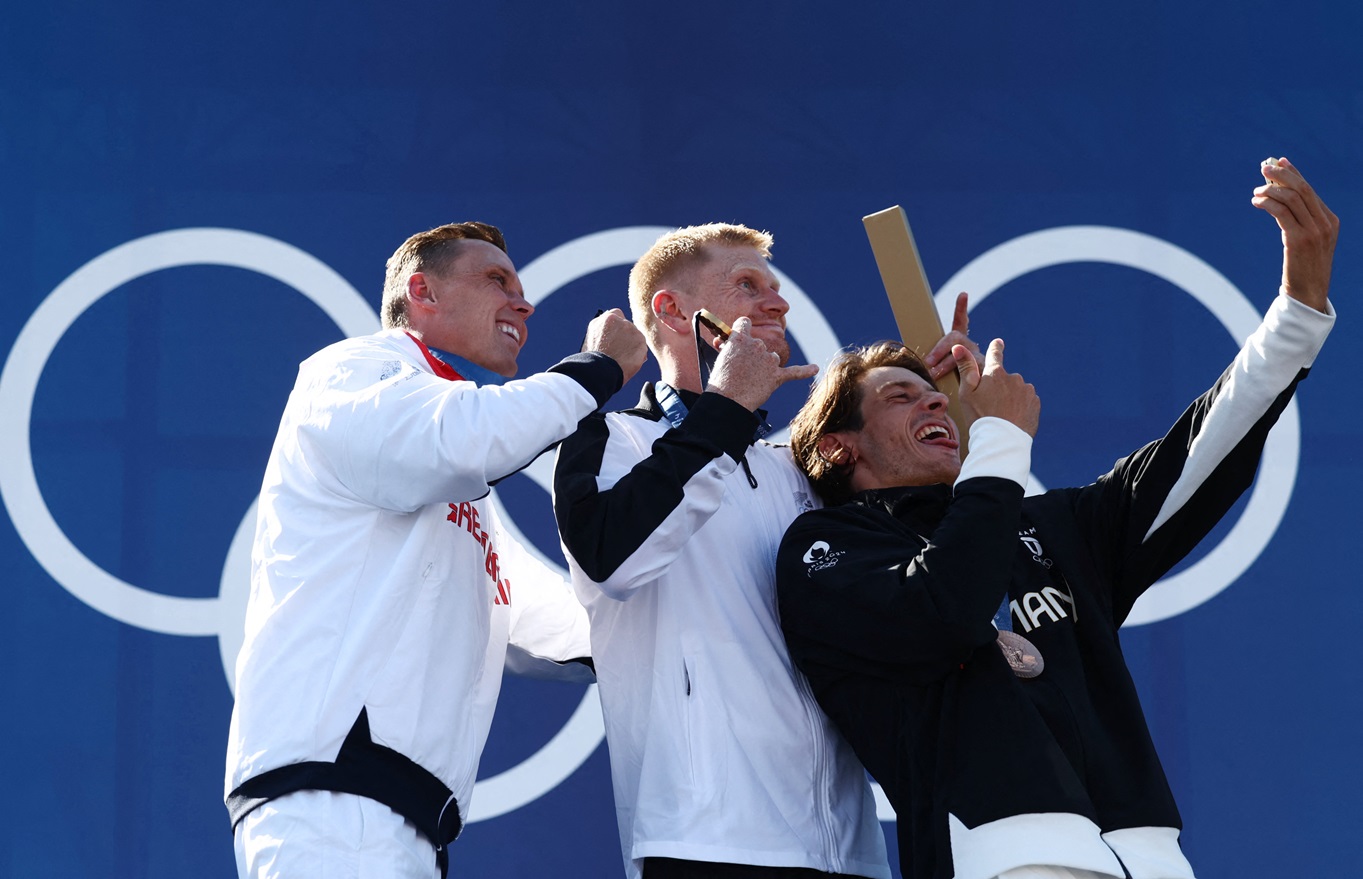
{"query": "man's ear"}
pixel 667 311
pixel 418 291
pixel 836 449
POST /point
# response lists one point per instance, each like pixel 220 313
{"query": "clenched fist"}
pixel 612 334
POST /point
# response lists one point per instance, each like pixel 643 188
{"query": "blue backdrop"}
pixel 299 144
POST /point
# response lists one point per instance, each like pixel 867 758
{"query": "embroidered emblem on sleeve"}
pixel 820 556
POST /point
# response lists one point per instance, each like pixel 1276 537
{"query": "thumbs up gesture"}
pixel 995 391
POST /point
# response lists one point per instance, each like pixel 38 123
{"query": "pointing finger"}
pixel 960 320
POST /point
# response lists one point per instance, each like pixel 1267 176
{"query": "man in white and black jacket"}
pixel 722 763
pixel 384 591
pixel 1020 754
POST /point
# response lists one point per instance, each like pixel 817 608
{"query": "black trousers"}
pixel 671 868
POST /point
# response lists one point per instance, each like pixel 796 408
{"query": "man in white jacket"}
pixel 670 513
pixel 384 590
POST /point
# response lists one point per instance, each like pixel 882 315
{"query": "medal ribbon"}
pixel 1003 617
pixel 456 368
pixel 674 410
pixel 467 369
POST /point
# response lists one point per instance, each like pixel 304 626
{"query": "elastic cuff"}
pixel 1312 326
pixel 998 448
pixel 723 422
pixel 597 372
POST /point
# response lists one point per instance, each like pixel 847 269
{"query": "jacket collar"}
pixel 648 401
pixel 926 504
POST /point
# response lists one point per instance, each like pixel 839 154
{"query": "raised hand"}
pixel 1309 231
pixel 747 373
pixel 612 334
pixel 995 391
pixel 940 361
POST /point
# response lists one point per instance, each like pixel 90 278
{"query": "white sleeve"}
pixel 397 437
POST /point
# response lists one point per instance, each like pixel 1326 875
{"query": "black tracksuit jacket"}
pixel 887 605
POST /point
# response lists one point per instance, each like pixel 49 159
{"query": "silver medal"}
pixel 1022 655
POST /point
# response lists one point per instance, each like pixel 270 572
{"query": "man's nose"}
pixel 775 303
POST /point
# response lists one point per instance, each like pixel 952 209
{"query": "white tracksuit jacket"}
pixel 718 750
pixel 381 578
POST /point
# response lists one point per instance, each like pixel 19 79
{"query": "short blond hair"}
pixel 677 252
pixel 430 251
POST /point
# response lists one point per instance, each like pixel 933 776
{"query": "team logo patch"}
pixel 1050 603
pixel 390 369
pixel 816 552
pixel 821 556
pixel 1034 547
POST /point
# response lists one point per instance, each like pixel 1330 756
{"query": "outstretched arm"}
pixel 1160 501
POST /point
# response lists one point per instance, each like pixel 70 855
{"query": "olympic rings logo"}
pixel 223 616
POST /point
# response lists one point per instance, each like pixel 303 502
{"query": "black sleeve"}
pixel 1155 505
pixel 615 502
pixel 859 592
pixel 596 372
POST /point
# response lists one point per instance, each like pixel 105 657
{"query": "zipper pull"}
pixel 752 480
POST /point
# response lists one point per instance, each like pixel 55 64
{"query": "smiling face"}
pixel 736 281
pixel 474 307
pixel 906 437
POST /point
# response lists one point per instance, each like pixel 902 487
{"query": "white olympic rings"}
pixel 40 337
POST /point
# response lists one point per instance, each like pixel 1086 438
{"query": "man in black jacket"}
pixel 965 639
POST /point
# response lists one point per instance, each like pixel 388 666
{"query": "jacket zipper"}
pixel 822 795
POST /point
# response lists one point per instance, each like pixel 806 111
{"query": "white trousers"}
pixel 315 834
